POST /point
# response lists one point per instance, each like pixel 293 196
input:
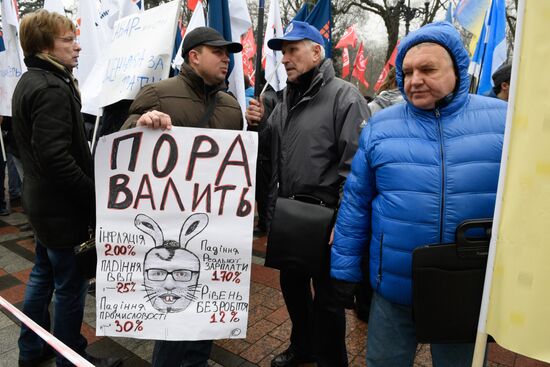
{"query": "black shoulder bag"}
pixel 299 234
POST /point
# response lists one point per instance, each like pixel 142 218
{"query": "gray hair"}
pixel 312 43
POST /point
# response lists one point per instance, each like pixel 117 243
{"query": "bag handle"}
pixel 308 199
pixel 473 247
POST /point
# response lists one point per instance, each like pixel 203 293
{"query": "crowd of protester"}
pixel 403 170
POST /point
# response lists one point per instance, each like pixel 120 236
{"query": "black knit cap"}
pixel 207 36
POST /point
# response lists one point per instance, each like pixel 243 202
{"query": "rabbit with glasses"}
pixel 170 271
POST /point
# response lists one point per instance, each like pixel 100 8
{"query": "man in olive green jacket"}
pixel 194 98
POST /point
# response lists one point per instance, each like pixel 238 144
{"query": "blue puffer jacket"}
pixel 417 175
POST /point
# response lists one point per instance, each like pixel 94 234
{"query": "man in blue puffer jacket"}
pixel 422 168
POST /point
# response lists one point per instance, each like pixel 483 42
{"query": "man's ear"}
pixel 317 51
pixel 504 86
pixel 193 57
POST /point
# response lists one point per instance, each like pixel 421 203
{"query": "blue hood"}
pixel 444 34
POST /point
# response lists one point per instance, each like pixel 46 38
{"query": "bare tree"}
pixel 392 12
pixel 511 19
pixel 28 6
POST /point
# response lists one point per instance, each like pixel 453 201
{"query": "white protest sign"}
pixel 10 73
pixel 11 56
pixel 140 52
pixel 175 213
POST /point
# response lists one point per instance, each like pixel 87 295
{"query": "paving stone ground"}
pixel 268 325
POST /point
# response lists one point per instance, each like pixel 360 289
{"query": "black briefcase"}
pixel 299 234
pixel 448 285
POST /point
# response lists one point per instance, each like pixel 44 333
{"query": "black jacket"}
pixel 58 190
pixel 313 142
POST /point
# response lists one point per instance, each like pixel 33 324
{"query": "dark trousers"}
pixel 54 270
pixel 318 323
pixel 263 179
pixel 181 353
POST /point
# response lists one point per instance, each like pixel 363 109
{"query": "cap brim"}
pixel 276 44
pixel 232 47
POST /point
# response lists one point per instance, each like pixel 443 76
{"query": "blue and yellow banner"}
pixel 471 15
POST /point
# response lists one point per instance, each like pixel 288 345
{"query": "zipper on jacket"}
pixel 442 207
pixel 379 276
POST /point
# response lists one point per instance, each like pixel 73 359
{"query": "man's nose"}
pixel 285 58
pixel 416 78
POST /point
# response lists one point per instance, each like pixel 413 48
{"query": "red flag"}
pixel 191 4
pixel 348 39
pixel 360 66
pixel 249 45
pixel 386 70
pixel 249 50
pixel 345 62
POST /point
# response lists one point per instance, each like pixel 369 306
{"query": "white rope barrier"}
pixel 55 343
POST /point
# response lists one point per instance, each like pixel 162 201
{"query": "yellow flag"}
pixel 519 304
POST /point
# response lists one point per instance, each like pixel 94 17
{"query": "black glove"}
pixel 344 293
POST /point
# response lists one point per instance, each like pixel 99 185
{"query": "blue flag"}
pixel 232 20
pixel 219 18
pixel 479 53
pixel 493 44
pixel 320 18
pixel 302 13
pixel 2 45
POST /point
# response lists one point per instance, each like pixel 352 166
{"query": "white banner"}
pixel 140 52
pixel 11 56
pixel 175 214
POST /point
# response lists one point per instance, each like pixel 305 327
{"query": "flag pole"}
pixel 4 157
pixel 94 135
pixel 481 337
pixel 259 46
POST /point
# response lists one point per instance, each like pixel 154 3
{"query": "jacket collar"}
pixel 322 77
pixel 197 83
pixel 64 74
pixel 40 63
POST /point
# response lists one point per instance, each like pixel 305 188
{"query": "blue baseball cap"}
pixel 296 31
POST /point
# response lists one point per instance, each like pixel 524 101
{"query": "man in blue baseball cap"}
pixel 313 133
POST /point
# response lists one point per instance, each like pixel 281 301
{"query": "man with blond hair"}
pixel 194 98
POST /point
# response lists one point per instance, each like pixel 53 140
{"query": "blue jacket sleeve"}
pixel 353 225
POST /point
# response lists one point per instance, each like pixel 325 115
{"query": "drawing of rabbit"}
pixel 170 271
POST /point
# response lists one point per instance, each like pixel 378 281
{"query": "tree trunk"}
pixel 392 26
